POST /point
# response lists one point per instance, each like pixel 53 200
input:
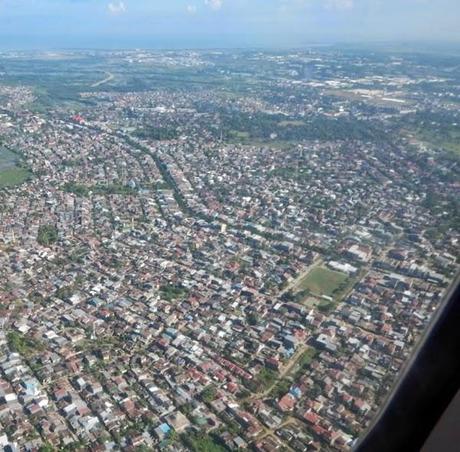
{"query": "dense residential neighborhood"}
pixel 185 267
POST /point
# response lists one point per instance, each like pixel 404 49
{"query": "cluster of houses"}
pixel 161 309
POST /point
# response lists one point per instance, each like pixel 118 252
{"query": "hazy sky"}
pixel 222 23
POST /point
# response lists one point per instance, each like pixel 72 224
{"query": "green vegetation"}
pixel 156 133
pixel 281 388
pixel 113 189
pixel 322 281
pixel 290 173
pixel 23 345
pixel 171 292
pixel 264 379
pixel 439 130
pixel 261 126
pixel 109 189
pixel 11 172
pixel 447 139
pixel 302 365
pixel 64 292
pixel 76 189
pixel 209 394
pixel 238 134
pixel 47 235
pixel 72 447
pixel 307 357
pixel 201 442
pixel 325 307
pixel 253 318
pixel 13 176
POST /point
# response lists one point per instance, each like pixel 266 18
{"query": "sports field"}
pixel 322 281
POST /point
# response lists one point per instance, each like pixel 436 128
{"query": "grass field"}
pixel 448 139
pixel 322 281
pixel 240 134
pixel 13 176
pixel 450 142
pixel 10 173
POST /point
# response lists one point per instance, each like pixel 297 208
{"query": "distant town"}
pixel 219 250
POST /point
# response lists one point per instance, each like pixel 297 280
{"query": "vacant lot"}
pixel 13 176
pixel 10 173
pixel 446 137
pixel 322 281
pixel 449 140
pixel 239 135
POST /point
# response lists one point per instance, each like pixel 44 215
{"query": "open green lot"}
pixel 10 173
pixel 322 281
pixel 13 176
pixel 239 134
pixel 445 136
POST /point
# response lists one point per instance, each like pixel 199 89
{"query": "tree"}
pixel 47 235
pixel 253 318
pixel 47 447
pixel 281 388
pixel 77 189
pixel 209 394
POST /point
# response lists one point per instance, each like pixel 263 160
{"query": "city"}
pixel 218 250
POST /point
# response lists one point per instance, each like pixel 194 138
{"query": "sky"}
pixel 223 23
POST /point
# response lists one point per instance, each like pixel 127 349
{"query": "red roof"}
pixel 311 417
pixel 232 387
pixel 78 118
pixel 287 402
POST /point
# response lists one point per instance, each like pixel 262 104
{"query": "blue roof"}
pixel 296 392
pixel 165 428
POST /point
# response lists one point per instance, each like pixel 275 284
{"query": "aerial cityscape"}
pixel 219 250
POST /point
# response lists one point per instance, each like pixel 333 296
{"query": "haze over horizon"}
pixel 27 24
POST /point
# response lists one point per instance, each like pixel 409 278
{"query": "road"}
pixel 285 371
pixel 109 77
pixel 270 432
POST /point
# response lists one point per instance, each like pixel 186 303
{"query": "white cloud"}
pixel 116 7
pixel 330 5
pixel 340 4
pixel 214 4
pixel 192 9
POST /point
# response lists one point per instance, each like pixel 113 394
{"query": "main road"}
pixel 109 77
